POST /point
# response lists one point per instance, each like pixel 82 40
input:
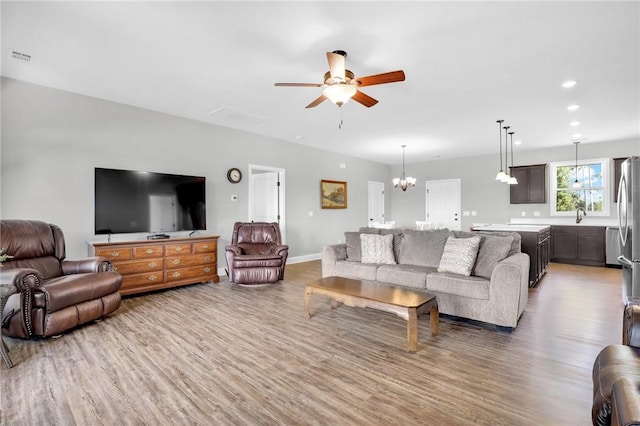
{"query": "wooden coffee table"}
pixel 406 303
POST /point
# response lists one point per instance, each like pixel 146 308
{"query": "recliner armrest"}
pixel 234 249
pixel 280 250
pixel 631 326
pixel 84 266
pixel 21 278
pixel 625 403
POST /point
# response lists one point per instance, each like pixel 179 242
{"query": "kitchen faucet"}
pixel 578 215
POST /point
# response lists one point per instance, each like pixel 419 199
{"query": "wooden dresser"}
pixel 148 265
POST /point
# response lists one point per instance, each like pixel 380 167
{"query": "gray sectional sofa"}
pixel 483 277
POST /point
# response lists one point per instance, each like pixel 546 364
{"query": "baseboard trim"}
pixel 291 260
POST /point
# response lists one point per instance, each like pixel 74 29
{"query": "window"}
pixel 592 194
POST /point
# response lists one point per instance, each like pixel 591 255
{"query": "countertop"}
pixel 507 227
pixel 565 220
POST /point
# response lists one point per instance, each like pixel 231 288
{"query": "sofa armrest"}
pixel 631 326
pixel 509 289
pixel 625 403
pixel 22 278
pixel 330 255
pixel 282 250
pixel 85 266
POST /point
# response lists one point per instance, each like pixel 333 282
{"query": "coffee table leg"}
pixel 307 293
pixel 434 316
pixel 412 330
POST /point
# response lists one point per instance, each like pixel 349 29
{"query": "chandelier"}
pixel 404 182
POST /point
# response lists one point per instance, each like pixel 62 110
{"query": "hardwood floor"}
pixel 220 354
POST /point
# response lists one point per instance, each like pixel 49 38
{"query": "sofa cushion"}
pixel 516 245
pixel 459 255
pixel 492 250
pixel 405 275
pixel 423 248
pixel 352 239
pixel 357 270
pixel 471 287
pixel 398 235
pixel 377 249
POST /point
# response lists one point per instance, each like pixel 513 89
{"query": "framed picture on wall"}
pixel 333 194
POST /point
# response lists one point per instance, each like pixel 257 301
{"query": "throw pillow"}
pixel 377 249
pixel 354 254
pixel 493 249
pixel 422 248
pixel 459 255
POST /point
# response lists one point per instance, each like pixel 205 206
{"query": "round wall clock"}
pixel 234 175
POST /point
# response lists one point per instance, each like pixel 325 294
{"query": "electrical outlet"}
pixel 466 213
pixel 474 213
pixel 524 214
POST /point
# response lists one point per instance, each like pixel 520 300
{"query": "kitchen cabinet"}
pixel 579 245
pixel 531 187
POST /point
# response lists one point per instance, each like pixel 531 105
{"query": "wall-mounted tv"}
pixel 129 201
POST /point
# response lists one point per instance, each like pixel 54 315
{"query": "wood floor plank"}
pixel 221 354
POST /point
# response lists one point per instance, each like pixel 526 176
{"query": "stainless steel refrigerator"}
pixel 629 221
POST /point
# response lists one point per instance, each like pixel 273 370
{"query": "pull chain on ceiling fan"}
pixel 341 84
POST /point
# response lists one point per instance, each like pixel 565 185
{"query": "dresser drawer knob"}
pixel 152 264
pixel 178 248
pixel 176 261
pixel 149 251
pixel 206 246
pixel 175 274
pixel 115 253
pixel 207 258
pixel 207 270
pixel 152 277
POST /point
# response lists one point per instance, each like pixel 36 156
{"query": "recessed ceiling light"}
pixel 576 135
pixel 568 84
pixel 573 107
pixel 574 123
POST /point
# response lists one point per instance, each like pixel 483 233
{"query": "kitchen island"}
pixel 536 242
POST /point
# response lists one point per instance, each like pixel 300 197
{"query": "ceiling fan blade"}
pixel 298 84
pixel 364 99
pixel 317 102
pixel 387 77
pixel 336 65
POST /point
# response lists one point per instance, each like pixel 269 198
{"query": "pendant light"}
pixel 576 184
pixel 506 176
pixel 404 182
pixel 501 173
pixel 512 178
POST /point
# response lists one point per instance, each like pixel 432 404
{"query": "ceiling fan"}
pixel 341 84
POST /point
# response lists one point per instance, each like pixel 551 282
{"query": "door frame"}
pixel 257 169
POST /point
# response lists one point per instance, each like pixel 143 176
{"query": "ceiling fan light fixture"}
pixel 339 93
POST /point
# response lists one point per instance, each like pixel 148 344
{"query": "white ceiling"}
pixel 467 64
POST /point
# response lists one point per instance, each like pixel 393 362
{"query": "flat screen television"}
pixel 128 201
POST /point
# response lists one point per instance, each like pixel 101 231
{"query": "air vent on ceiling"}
pixel 20 56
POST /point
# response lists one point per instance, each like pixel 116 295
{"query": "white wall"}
pixel 479 189
pixel 52 141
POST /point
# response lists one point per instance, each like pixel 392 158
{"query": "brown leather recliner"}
pixel 256 254
pixel 54 294
pixel 616 377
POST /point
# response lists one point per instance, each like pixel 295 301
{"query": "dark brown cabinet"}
pixel 531 187
pixel 538 246
pixel 580 245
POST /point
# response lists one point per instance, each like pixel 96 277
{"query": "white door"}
pixel 443 203
pixel 266 195
pixel 376 202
